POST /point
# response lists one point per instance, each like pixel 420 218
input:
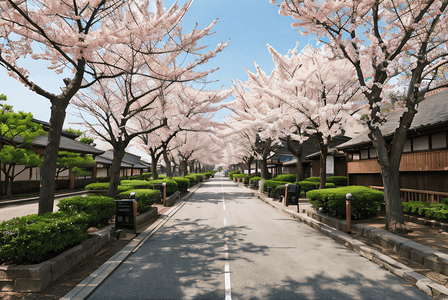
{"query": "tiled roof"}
pixel 431 112
pixel 67 144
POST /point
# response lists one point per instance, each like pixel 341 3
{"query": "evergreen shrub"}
pixel 105 186
pixel 144 176
pixel 144 197
pixel 34 239
pixel 192 179
pixel 99 208
pixel 306 186
pixel 337 180
pixel 286 177
pixel 183 184
pixel 136 184
pixel 272 183
pixel 430 210
pixel 365 204
pixel 230 175
pixel 171 185
pixel 255 178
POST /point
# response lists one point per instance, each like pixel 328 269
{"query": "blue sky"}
pixel 248 24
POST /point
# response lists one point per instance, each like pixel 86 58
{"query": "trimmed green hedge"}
pixel 136 184
pixel 99 208
pixel 105 186
pixel 192 179
pixel 286 177
pixel 183 184
pixel 34 239
pixel 306 186
pixel 365 204
pixel 430 210
pixel 197 177
pixel 245 177
pixel 171 185
pixel 230 174
pixel 255 178
pixel 337 180
pixel 144 197
pixel 273 184
pixel 144 176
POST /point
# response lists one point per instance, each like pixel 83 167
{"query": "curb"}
pixel 86 287
pixel 425 284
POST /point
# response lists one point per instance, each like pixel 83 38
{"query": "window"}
pixel 421 143
pixel 372 152
pixel 438 140
pixel 364 154
pixel 407 146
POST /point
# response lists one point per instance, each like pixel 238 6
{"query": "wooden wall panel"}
pixel 363 166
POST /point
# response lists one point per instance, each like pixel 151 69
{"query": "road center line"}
pixel 228 291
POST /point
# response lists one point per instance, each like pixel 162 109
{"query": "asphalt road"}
pixel 22 209
pixel 224 243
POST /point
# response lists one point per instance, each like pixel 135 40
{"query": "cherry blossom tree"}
pixel 239 143
pixel 186 109
pixel 193 146
pixel 88 39
pixel 253 111
pixel 318 93
pixel 153 65
pixel 383 40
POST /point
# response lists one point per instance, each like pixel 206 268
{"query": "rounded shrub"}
pixel 144 176
pixel 34 239
pixel 144 197
pixel 171 185
pixel 365 204
pixel 255 178
pixel 182 183
pixel 105 186
pixel 230 174
pixel 286 177
pixel 99 208
pixel 306 186
pixel 272 183
pixel 337 180
pixel 136 184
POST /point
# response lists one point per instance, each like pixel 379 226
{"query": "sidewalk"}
pixel 421 257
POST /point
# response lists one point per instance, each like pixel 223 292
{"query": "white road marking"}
pixel 228 291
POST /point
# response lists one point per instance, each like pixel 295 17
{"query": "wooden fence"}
pixel 407 195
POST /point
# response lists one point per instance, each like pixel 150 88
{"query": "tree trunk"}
pixel 167 163
pixel 8 182
pixel 264 168
pixel 183 166
pixel 47 183
pixel 297 154
pixel 154 160
pixel 390 172
pixel 119 151
pixel 323 166
pixel 394 209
